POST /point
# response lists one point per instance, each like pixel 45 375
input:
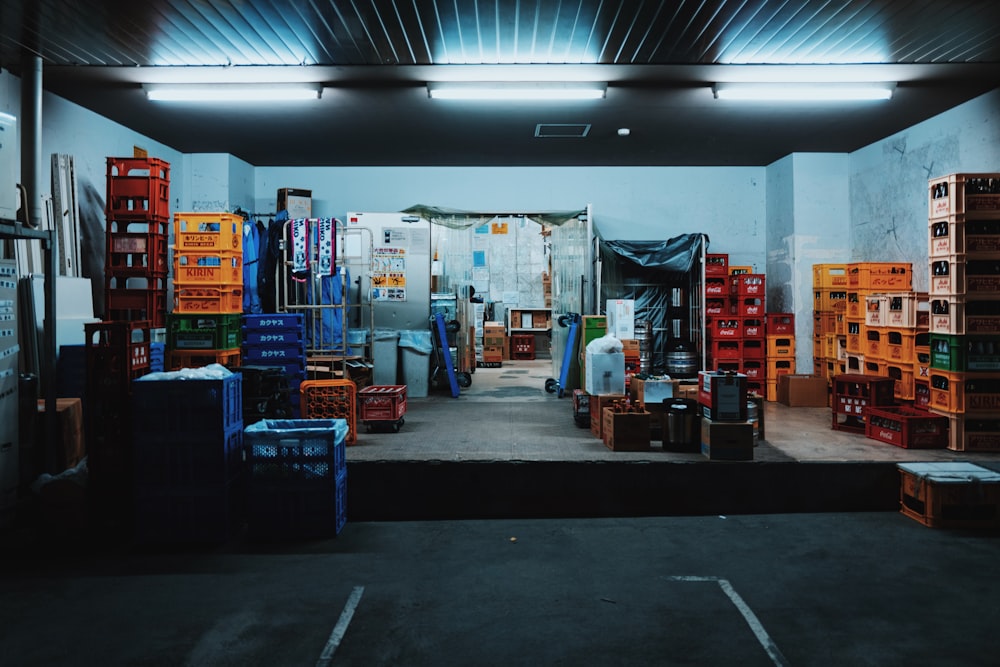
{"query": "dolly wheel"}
pixel 551 385
pixel 463 379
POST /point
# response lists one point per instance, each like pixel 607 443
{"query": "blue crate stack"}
pixel 157 357
pixel 277 339
pixel 296 478
pixel 188 457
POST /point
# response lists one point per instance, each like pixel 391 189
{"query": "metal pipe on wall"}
pixel 31 134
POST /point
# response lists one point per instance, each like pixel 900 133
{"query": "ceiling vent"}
pixel 570 130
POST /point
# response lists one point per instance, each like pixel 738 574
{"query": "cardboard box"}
pixel 621 318
pixel 652 390
pixel 723 395
pixel 597 405
pixel 803 391
pixel 727 441
pixel 70 447
pixel 605 373
pixel 625 431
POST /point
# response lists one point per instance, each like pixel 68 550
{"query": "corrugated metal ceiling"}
pixel 439 32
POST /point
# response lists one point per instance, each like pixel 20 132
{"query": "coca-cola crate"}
pixel 718 307
pixel 906 427
pixel 137 254
pixel 958 275
pixel 962 354
pixel 780 323
pixel 834 301
pixel 974 194
pixel 830 276
pixel 907 309
pixel 213 269
pixel 208 232
pixel 750 306
pixel 753 328
pixel 898 345
pixel 973 433
pixel 138 189
pixel 208 300
pixel 716 286
pixel 384 403
pixel 965 393
pixel 716 265
pixel 959 236
pixel 726 328
pixel 880 276
pixel 747 284
pixel 958 315
pixel 726 349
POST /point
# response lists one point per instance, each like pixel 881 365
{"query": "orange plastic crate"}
pixel 177 359
pixel 781 346
pixel 214 269
pixel 830 276
pixel 208 300
pixel 208 232
pixel 330 399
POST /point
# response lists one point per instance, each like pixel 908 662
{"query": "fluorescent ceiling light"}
pixel 510 90
pixel 233 92
pixel 803 92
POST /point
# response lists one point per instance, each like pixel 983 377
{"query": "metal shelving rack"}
pixel 9 229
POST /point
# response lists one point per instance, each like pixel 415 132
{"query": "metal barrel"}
pixel 644 333
pixel 682 360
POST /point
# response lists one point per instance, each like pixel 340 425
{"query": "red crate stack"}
pixel 137 214
pixel 963 362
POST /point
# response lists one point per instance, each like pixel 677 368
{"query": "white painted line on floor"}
pixel 341 627
pixel 751 618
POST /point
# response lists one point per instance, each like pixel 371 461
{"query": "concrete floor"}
pixel 588 557
pixel 787 589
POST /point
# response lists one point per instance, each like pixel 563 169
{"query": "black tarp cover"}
pixel 646 272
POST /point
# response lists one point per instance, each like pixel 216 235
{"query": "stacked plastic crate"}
pixel 137 215
pixel 830 320
pixel 734 318
pixel 896 326
pixel 278 340
pixel 866 353
pixel 116 353
pixel 964 374
pixel 204 326
pixel 188 457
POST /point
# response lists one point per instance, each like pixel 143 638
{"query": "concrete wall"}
pixel 888 180
pixel 629 203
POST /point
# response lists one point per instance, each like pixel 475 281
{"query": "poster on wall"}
pixel 389 274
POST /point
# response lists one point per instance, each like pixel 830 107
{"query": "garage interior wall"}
pixel 886 198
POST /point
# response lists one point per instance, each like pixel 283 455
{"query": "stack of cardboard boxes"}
pixel 726 433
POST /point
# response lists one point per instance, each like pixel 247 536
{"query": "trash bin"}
pixel 682 429
pixel 415 350
pixel 385 350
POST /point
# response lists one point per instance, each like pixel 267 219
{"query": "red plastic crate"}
pixel 754 369
pixel 716 286
pixel 753 328
pixel 906 427
pixel 138 189
pixel 136 254
pixel 727 349
pixel 117 350
pixel 717 307
pixel 754 348
pixel 136 305
pixel 750 306
pixel 385 403
pixel 726 328
pixel 747 284
pixel 717 265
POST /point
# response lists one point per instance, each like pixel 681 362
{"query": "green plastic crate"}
pixel 203 332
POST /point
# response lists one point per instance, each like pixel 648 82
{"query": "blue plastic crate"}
pixel 260 337
pixel 274 321
pixel 275 353
pixel 296 509
pixel 208 515
pixel 185 406
pixel 296 449
pixel 157 356
pixel 71 371
pixel 194 459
